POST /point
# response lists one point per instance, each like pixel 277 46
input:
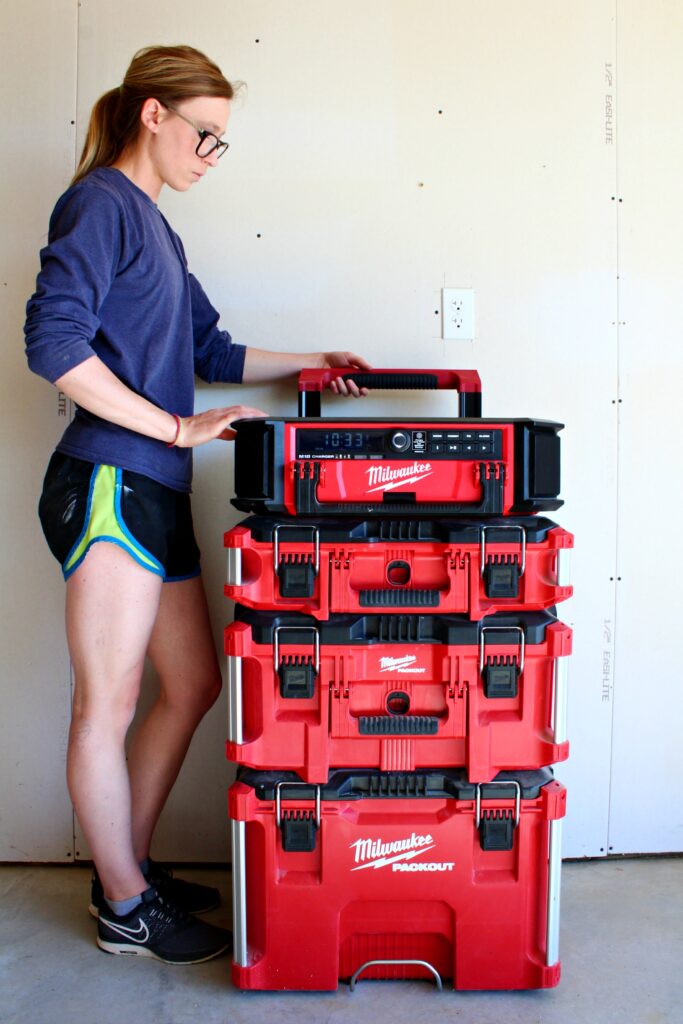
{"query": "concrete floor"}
pixel 621 950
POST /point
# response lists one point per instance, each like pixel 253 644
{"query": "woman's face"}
pixel 174 143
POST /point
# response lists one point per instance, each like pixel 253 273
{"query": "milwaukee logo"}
pixel 373 853
pixel 406 664
pixel 383 478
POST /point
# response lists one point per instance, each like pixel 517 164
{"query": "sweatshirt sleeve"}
pixel 77 268
pixel 216 357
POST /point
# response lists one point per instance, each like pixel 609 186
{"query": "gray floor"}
pixel 621 950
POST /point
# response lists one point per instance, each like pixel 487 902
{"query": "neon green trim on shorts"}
pixel 104 522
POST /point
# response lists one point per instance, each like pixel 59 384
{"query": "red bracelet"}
pixel 178 427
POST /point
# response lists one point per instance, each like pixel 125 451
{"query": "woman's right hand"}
pixel 214 424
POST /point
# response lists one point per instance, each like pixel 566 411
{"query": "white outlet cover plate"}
pixel 457 314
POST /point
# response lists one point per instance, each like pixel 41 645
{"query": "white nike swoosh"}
pixel 140 934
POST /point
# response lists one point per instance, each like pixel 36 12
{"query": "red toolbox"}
pixel 375 875
pixel 405 467
pixel 459 566
pixel 396 692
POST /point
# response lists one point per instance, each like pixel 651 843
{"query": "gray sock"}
pixel 123 907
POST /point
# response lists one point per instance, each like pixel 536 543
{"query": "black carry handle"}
pixel 407 725
pixel 466 382
pixel 398 597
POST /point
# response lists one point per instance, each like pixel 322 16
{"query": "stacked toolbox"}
pixel 397 683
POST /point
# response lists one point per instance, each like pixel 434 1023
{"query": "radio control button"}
pixel 400 441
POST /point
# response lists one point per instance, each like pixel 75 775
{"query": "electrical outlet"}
pixel 457 314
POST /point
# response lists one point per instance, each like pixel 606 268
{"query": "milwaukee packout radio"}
pixel 396 692
pixel 420 875
pixel 460 566
pixel 407 467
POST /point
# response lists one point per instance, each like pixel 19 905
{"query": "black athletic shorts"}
pixel 83 503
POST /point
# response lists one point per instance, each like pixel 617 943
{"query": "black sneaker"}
pixel 155 928
pixel 188 896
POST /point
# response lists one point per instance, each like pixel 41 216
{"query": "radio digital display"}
pixel 348 442
pixel 449 442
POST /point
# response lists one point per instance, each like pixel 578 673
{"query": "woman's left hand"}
pixel 335 360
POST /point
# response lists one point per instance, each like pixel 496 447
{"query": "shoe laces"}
pixel 159 876
pixel 168 913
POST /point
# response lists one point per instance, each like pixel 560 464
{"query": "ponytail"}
pixel 167 73
pixel 106 137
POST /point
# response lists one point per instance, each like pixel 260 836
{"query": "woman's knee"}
pixel 102 712
pixel 207 690
pixel 196 696
pixel 212 689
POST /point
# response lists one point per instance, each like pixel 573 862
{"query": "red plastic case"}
pixel 440 878
pixel 396 693
pixel 454 566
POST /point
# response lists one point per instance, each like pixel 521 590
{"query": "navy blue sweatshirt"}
pixel 114 283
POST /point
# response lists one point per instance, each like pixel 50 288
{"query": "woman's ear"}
pixel 152 113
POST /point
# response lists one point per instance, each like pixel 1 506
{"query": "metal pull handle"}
pixel 239 892
pixel 552 954
pixel 477 800
pixel 296 629
pixel 517 529
pixel 234 573
pixel 560 700
pixel 500 629
pixel 235 711
pixel 293 785
pixel 563 576
pixel 397 963
pixel 276 543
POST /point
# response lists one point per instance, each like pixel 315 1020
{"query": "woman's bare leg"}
pixel 183 652
pixel 111 607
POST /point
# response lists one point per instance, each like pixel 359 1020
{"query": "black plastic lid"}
pixel 370 784
pixel 439 531
pixel 452 630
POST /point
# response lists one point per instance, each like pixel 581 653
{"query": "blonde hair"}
pixel 170 74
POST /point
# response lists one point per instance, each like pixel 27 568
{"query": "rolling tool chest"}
pixel 397 690
pixel 458 566
pixel 388 875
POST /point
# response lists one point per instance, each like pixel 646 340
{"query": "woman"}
pixel 119 325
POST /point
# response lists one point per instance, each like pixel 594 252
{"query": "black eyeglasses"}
pixel 208 142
